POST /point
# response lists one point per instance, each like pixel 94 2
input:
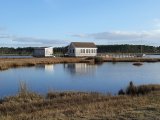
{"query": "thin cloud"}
pixel 38 40
pixel 5 36
pixel 122 35
pixel 29 40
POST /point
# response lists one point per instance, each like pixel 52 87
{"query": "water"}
pixel 105 78
pixel 152 56
pixel 5 56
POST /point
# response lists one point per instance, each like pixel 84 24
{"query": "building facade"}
pixel 81 49
pixel 43 52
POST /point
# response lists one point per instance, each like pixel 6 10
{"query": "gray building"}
pixel 80 49
pixel 43 52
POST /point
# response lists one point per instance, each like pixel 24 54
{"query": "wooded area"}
pixel 16 51
pixel 127 49
pixel 101 49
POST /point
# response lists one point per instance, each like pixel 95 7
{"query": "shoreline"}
pixel 6 63
pixel 79 105
pixel 136 59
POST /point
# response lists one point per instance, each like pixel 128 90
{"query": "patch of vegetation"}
pixel 98 59
pixel 16 51
pixel 127 49
pixel 15 62
pixel 139 90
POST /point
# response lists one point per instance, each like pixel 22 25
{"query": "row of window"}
pixel 85 51
pixel 88 51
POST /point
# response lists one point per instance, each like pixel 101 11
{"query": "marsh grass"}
pixel 27 105
pixel 23 87
pixel 14 63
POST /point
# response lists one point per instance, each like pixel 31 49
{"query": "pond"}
pixel 105 78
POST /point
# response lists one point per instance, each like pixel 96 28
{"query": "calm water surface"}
pixel 104 78
pixel 5 56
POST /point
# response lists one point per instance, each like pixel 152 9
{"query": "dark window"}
pixel 92 51
pixel 83 50
pixel 86 50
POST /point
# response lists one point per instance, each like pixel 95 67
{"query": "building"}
pixel 43 52
pixel 80 49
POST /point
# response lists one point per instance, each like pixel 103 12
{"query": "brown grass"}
pixel 12 63
pixel 135 59
pixel 80 105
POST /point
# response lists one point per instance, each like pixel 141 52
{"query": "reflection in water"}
pixel 47 68
pixel 83 77
pixel 80 68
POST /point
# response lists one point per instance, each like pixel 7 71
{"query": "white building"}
pixel 43 52
pixel 79 49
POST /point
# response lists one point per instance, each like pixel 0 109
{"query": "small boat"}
pixel 137 63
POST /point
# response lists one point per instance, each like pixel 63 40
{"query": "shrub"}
pixel 131 89
pixel 98 59
pixel 121 92
pixel 138 90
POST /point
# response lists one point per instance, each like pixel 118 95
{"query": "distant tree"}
pixel 127 49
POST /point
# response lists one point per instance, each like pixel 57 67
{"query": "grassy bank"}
pixel 79 105
pixel 136 59
pixel 6 63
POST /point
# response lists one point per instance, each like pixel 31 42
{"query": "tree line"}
pixel 127 49
pixel 101 49
pixel 16 51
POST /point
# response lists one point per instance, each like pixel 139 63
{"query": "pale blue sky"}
pixel 58 22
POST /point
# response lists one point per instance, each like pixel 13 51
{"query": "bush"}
pixel 138 90
pixel 121 92
pixel 131 89
pixel 98 59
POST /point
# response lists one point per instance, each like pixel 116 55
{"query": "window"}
pixel 73 50
pixel 83 50
pixel 92 51
pixel 86 50
pixel 89 51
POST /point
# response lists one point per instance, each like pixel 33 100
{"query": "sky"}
pixel 30 23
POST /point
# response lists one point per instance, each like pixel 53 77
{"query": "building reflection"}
pixel 80 68
pixel 47 68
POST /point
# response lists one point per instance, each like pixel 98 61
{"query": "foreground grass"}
pixel 79 105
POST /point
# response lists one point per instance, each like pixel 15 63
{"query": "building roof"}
pixel 84 44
